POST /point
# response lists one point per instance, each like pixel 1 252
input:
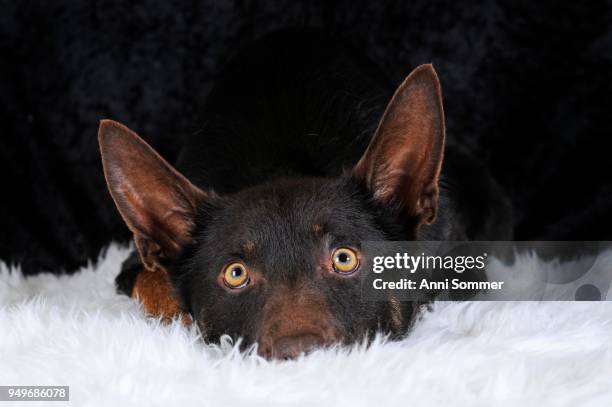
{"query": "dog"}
pixel 305 152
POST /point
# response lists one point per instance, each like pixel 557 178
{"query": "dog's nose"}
pixel 290 347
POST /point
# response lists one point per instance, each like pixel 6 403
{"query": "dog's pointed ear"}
pixel 156 201
pixel 402 163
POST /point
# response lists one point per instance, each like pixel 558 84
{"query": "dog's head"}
pixel 280 263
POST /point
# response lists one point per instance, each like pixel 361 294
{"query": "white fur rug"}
pixel 74 330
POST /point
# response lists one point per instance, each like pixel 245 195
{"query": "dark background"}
pixel 526 85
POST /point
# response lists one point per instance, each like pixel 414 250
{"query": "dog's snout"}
pixel 295 320
pixel 290 347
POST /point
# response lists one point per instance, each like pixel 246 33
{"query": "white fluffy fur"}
pixel 76 331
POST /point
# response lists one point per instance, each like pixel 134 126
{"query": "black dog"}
pixel 258 236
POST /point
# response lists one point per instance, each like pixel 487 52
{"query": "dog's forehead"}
pixel 298 201
pixel 292 212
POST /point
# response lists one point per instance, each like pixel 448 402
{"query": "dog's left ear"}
pixel 157 203
pixel 402 163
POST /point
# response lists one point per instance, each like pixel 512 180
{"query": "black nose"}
pixel 290 347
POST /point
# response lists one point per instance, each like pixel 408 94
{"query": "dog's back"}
pixel 293 103
pixel 301 102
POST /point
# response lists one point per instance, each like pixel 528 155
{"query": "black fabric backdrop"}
pixel 526 85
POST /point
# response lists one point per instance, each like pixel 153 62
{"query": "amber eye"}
pixel 345 260
pixel 236 275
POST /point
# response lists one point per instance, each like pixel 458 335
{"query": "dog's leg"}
pixel 130 269
pixel 153 289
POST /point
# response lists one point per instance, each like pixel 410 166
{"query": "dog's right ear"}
pixel 156 201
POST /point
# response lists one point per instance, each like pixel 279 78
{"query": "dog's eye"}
pixel 345 260
pixel 236 275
